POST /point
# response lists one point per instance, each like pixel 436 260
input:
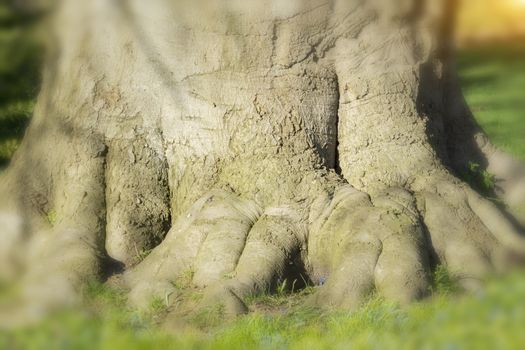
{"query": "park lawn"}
pixel 493 81
pixel 494 85
pixel 491 319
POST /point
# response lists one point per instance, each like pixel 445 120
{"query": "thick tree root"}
pixel 229 248
pixel 222 238
pixel 389 242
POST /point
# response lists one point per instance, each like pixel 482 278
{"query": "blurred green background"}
pixel 493 79
pixel 20 58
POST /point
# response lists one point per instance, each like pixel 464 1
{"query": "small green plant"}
pixel 96 292
pixel 229 275
pixel 282 287
pixel 51 217
pixel 157 305
pixel 141 255
pixel 443 282
pixel 284 297
pixel 480 179
pixel 184 280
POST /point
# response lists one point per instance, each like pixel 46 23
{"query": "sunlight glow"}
pixel 482 20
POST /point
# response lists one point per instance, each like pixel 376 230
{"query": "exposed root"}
pixel 229 248
pixel 389 243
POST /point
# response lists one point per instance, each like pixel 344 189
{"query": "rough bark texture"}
pixel 243 143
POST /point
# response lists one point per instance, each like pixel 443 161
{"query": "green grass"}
pixel 492 319
pixel 19 79
pixel 493 81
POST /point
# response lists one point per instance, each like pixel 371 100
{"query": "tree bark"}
pixel 231 146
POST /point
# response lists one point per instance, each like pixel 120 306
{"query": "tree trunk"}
pixel 229 147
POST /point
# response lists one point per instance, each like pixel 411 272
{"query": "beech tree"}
pixel 228 146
